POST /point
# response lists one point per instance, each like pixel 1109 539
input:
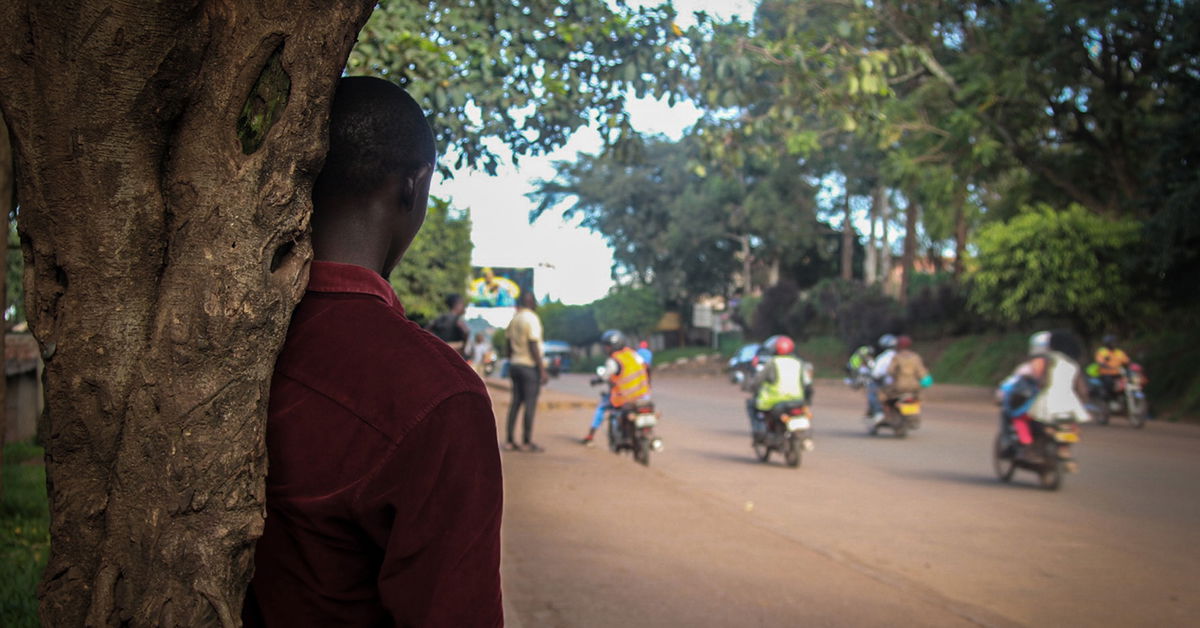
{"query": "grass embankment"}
pixel 24 534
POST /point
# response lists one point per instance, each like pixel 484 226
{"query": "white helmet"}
pixel 1039 343
pixel 887 341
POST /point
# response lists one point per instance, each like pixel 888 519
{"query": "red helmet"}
pixel 903 342
pixel 780 345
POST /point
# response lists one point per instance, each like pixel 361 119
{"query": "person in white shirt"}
pixel 526 369
pixel 879 373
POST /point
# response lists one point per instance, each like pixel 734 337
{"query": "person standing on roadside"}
pixel 450 326
pixel 526 369
pixel 384 493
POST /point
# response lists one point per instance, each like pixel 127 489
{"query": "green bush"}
pixel 828 354
pixel 981 360
pixel 24 534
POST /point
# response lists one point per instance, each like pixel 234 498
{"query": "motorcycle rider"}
pixel 906 372
pixel 627 375
pixel 1111 361
pixel 887 345
pixel 860 363
pixel 1052 378
pixel 781 379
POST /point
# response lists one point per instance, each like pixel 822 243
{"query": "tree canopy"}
pixel 527 74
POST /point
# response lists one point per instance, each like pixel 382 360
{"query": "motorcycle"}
pixel 900 415
pixel 857 379
pixel 785 428
pixel 1128 397
pixel 631 427
pixel 489 363
pixel 1047 453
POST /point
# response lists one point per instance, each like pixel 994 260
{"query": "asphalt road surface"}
pixel 868 531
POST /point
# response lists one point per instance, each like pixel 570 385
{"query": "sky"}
pixel 571 264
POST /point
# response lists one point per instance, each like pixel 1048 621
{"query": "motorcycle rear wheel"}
pixel 1137 413
pixel 1102 412
pixel 902 428
pixel 761 451
pixel 641 450
pixel 791 453
pixel 1050 476
pixel 1004 466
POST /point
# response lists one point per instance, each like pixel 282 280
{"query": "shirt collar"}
pixel 350 278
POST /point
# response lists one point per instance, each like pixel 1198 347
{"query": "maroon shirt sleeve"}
pixel 434 507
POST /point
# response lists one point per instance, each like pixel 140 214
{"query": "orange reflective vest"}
pixel 631 382
pixel 1111 361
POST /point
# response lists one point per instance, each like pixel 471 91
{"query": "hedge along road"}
pixel 868 531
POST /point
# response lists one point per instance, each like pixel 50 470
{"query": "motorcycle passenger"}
pixel 859 364
pixel 781 379
pixel 1054 380
pixel 887 345
pixel 628 379
pixel 1111 361
pixel 906 373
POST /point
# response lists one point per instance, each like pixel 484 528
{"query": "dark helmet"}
pixel 1109 340
pixel 780 345
pixel 613 340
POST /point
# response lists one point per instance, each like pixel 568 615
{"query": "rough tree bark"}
pixel 7 204
pixel 165 153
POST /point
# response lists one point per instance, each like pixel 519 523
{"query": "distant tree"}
pixel 630 309
pixel 437 264
pixel 1069 264
pixel 574 324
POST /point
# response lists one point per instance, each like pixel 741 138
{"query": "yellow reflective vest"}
pixel 631 382
pixel 788 384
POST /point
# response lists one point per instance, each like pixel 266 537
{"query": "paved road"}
pixel 868 531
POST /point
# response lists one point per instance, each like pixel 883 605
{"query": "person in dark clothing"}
pixel 384 494
pixel 450 325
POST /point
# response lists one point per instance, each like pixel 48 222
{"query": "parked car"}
pixel 743 363
pixel 557 356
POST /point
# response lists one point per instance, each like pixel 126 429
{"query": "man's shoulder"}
pixel 374 362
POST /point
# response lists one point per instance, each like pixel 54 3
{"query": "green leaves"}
pixel 438 262
pixel 1047 263
pixel 528 73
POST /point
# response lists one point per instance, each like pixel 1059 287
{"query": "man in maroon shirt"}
pixel 384 490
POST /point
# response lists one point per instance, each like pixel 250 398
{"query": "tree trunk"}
pixel 910 249
pixel 6 206
pixel 847 240
pixel 871 266
pixel 747 282
pixel 885 248
pixel 960 240
pixel 165 154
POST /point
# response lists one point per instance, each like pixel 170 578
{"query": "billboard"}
pixel 496 286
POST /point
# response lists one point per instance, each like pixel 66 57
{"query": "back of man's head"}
pixel 376 130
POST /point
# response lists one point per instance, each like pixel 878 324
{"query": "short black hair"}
pixel 452 300
pixel 376 130
pixel 1067 343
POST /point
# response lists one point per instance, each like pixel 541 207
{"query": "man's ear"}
pixel 416 186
